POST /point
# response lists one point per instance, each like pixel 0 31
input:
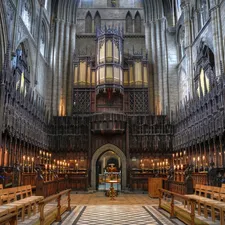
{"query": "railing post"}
pixel 58 217
pixel 192 212
pixel 172 206
pixel 69 199
pixel 42 216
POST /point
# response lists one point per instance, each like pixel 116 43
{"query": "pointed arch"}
pixel 137 22
pixel 97 21
pixel 129 23
pixel 88 23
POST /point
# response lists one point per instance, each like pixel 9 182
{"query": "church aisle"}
pixel 115 214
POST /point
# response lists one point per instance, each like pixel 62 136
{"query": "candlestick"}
pixel 24 157
pixel 28 159
pixel 32 164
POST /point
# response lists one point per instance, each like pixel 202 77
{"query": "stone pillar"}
pixel 38 42
pixel 150 69
pixel 217 37
pixel 61 65
pixel 55 87
pixel 15 30
pixel 66 70
pixel 69 107
pixel 187 44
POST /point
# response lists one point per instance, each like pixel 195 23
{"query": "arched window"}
pixel 137 21
pixel 22 70
pixel 43 39
pixel 26 13
pixel 129 23
pixel 205 75
pixel 88 23
pixel 97 21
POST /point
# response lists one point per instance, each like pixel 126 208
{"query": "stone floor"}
pixel 96 208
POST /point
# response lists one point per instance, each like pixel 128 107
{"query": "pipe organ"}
pixel 110 77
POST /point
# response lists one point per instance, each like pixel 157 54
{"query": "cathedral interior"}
pixel 113 97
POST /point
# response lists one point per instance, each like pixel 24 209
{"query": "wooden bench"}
pixel 210 199
pixel 20 198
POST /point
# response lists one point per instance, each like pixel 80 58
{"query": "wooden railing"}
pixel 171 209
pixel 60 208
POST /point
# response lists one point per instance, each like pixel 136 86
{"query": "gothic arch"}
pixel 97 21
pixel 98 153
pixel 88 23
pixel 137 22
pixel 129 23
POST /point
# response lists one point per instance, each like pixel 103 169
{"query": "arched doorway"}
pixel 98 153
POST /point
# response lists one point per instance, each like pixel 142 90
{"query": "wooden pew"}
pixel 21 199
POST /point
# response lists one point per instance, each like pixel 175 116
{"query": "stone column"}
pixel 15 30
pixel 217 42
pixel 55 64
pixel 69 107
pixel 66 70
pixel 38 42
pixel 61 65
pixel 150 68
pixel 187 44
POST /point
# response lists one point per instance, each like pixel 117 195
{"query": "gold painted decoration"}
pixel 88 75
pixel 98 77
pixel 138 73
pixel 109 51
pixel 83 71
pixel 121 76
pixel 76 75
pixel 93 78
pixel 116 53
pixel 102 75
pixel 102 53
pixel 109 73
pixel 131 74
pixel 126 81
pixel 145 75
pixel 116 75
